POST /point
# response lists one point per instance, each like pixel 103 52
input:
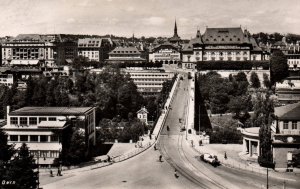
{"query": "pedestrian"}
pixel 150 136
pixel 200 142
pixel 160 158
pixel 51 173
pixel 154 147
pixel 108 158
pixel 168 128
pixel 175 174
pixel 192 142
pixel 225 155
pixel 58 172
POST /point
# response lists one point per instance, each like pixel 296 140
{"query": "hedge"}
pixel 231 65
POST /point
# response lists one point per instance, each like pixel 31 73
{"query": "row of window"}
pixel 44 153
pixel 149 75
pixel 125 51
pixel 156 84
pixel 228 53
pixel 32 120
pixel 286 125
pixel 228 58
pixel 149 79
pixel 33 138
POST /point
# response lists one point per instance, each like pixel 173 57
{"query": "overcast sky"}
pixel 146 17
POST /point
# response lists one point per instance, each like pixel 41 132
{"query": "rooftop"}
pixel 225 36
pixel 51 111
pixel 289 112
pixel 125 50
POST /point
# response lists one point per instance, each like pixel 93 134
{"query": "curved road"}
pixel 145 170
pixel 178 152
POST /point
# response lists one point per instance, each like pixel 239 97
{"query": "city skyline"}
pixel 146 18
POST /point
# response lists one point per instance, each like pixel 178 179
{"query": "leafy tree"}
pixel 279 66
pixel 21 170
pixel 267 82
pixel 263 118
pixel 240 106
pixel 255 83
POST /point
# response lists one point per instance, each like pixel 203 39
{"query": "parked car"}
pixel 211 159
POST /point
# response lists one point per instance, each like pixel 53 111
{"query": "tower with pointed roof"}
pixel 175 38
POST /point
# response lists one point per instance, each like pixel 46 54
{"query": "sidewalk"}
pixel 235 161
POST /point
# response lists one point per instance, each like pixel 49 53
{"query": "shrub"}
pixel 231 65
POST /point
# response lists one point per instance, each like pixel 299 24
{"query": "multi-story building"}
pixel 125 55
pixel 289 89
pixel 34 50
pixel 286 135
pixel 95 49
pixel 41 128
pixel 221 44
pixel 165 53
pixel 6 76
pixel 149 82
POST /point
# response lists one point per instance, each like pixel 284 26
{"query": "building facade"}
pixel 286 135
pixel 165 53
pixel 34 50
pixel 221 44
pixel 95 49
pixel 125 55
pixel 149 82
pixel 41 127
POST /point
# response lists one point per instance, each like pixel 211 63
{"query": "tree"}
pixel 263 118
pixel 240 106
pixel 21 169
pixel 279 67
pixel 255 83
pixel 267 82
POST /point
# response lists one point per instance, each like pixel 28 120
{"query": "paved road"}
pixel 145 171
pixel 179 153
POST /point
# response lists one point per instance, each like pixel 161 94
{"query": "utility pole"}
pixel 267 178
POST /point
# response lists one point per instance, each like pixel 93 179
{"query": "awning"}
pixel 24 62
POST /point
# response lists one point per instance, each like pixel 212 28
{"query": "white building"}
pixel 142 115
pixel 166 53
pixel 149 82
pixel 41 128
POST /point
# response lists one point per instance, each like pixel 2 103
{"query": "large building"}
pixel 41 128
pixel 125 55
pixel 221 44
pixel 286 135
pixel 166 53
pixel 34 50
pixel 95 49
pixel 149 82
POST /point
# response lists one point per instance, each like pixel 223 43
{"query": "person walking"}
pixel 225 156
pixel 51 173
pixel 160 158
pixel 154 147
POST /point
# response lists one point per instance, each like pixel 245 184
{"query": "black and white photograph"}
pixel 149 94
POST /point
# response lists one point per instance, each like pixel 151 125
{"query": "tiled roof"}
pixel 289 112
pixel 51 111
pixel 125 50
pixel 254 45
pixel 90 42
pixel 225 36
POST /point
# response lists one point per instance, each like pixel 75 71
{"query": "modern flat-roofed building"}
pixel 40 128
pixel 149 82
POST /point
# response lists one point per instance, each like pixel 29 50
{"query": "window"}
pixel 34 138
pixel 43 138
pixel 32 121
pixel 14 120
pixel 285 125
pixel 42 119
pixel 294 125
pixel 52 118
pixel 54 154
pixel 23 120
pixel 14 138
pixel 23 138
pixel 54 138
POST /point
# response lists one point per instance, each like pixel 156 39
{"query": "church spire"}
pixel 175 29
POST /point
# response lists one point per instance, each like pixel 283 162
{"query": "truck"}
pixel 211 159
